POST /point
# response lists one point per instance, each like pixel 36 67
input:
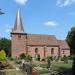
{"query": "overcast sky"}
pixel 52 17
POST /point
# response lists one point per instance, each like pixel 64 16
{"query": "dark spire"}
pixel 18 27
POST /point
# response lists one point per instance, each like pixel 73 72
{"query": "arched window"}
pixel 52 51
pixel 36 50
pixel 63 51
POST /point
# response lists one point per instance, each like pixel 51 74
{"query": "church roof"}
pixel 18 27
pixel 37 39
pixel 63 44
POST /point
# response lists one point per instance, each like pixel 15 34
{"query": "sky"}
pixel 52 17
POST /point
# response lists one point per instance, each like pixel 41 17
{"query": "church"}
pixel 33 44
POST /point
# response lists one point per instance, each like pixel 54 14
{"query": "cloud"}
pixel 50 23
pixel 62 3
pixel 21 2
pixel 7 28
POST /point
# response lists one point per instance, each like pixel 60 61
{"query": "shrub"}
pixel 18 62
pixel 22 56
pixel 11 59
pixel 2 55
pixel 43 59
pixel 50 57
pixel 70 57
pixel 28 58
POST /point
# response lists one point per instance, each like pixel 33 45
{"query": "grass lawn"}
pixel 61 66
pixel 12 72
pixel 56 66
pixel 41 68
pixel 15 73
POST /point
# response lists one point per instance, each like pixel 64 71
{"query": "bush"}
pixel 70 57
pixel 28 58
pixel 22 56
pixel 11 59
pixel 43 59
pixel 50 57
pixel 2 55
pixel 59 58
pixel 18 62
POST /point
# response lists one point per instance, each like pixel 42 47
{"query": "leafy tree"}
pixel 5 44
pixel 2 55
pixel 71 40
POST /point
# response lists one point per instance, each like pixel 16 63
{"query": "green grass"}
pixel 56 66
pixel 12 72
pixel 15 73
pixel 61 66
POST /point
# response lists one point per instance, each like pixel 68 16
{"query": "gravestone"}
pixel 48 63
pixel 27 68
pixel 65 59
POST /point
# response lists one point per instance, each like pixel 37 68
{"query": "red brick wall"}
pixel 18 44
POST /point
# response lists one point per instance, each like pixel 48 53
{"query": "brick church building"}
pixel 33 44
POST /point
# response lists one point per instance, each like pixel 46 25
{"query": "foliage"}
pixel 50 57
pixel 2 55
pixel 43 59
pixel 71 40
pixel 5 44
pixel 11 58
pixel 26 57
pixel 22 56
pixel 61 66
pixel 41 70
pixel 38 57
pixel 18 61
pixel 70 57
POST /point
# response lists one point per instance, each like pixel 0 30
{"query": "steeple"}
pixel 18 27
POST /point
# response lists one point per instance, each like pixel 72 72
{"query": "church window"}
pixel 63 52
pixel 52 50
pixel 36 50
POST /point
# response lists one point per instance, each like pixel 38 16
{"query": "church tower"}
pixel 18 37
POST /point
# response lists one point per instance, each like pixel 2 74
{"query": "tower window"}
pixel 19 36
pixel 52 50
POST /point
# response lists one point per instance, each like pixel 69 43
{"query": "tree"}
pixel 2 55
pixel 71 40
pixel 5 44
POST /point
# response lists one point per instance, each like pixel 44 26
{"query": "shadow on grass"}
pixel 64 71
